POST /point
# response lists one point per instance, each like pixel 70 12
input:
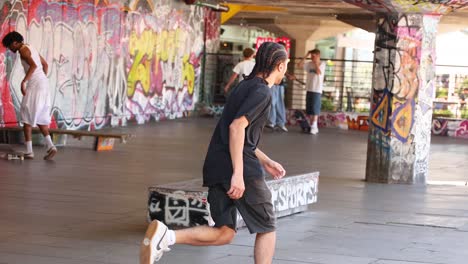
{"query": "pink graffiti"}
pixel 439 127
pixel 333 120
pixel 462 130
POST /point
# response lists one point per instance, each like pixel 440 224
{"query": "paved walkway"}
pixel 88 207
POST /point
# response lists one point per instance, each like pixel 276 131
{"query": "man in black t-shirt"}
pixel 233 169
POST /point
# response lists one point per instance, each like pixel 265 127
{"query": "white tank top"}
pixel 37 60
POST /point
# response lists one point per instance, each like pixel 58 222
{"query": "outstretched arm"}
pixel 271 166
pixel 231 80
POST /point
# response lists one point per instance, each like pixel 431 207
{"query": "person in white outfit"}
pixel 243 68
pixel 35 106
pixel 315 70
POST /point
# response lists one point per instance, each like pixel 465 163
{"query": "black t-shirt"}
pixel 252 99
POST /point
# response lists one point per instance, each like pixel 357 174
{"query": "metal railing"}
pixel 347 85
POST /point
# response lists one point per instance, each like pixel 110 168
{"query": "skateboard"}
pixel 9 153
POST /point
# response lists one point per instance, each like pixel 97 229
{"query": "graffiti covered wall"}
pixel 109 62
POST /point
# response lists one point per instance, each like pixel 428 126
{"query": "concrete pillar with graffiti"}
pixel 403 87
pixel 401 102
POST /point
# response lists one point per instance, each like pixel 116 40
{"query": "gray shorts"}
pixel 254 206
pixel 313 103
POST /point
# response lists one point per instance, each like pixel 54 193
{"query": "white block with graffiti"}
pixel 185 204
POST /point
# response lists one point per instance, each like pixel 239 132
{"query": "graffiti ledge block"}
pixel 184 204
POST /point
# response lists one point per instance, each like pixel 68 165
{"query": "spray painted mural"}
pixel 341 120
pixel 109 63
pixel 401 103
pixel 450 127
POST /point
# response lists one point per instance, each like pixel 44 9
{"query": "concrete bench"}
pixel 184 204
pixel 103 140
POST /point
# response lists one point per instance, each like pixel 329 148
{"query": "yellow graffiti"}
pixel 141 49
pixel 148 48
pixel 169 42
pixel 189 74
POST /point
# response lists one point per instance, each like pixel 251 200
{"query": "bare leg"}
pixel 27 129
pixel 205 236
pixel 157 239
pixel 265 247
pixel 44 130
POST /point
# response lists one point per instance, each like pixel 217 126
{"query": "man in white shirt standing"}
pixel 315 70
pixel 243 68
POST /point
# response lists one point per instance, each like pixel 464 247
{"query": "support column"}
pixel 339 78
pixel 401 101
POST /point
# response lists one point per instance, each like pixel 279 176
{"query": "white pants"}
pixel 35 106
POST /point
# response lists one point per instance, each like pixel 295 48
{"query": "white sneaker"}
pixel 314 130
pixel 283 128
pixel 156 242
pixel 50 153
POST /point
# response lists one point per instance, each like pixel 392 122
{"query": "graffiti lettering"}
pixel 107 66
pixel 180 208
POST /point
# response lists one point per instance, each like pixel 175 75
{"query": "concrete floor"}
pixel 87 207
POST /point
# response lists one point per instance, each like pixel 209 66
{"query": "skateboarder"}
pixel 35 106
pixel 233 169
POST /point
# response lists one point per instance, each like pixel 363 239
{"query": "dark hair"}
pixel 315 51
pixel 248 52
pixel 282 43
pixel 12 37
pixel 269 55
